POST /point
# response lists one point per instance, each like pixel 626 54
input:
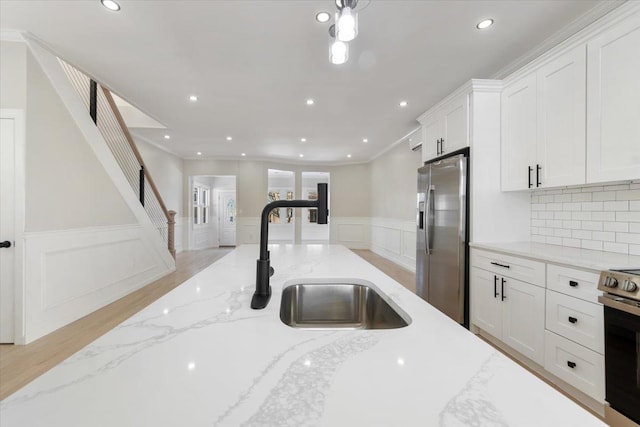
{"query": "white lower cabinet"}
pixel 510 310
pixel 575 364
pixel 554 319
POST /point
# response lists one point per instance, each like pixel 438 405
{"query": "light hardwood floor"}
pixel 21 364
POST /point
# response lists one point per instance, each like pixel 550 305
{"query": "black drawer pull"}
pixel 572 319
pixel 573 283
pixel 499 265
pixel 571 364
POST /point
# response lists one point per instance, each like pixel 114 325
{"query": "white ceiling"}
pixel 254 63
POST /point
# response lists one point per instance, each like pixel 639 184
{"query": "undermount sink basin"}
pixel 338 306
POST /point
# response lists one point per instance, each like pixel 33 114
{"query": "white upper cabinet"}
pixel 445 129
pixel 518 148
pixel 613 103
pixel 561 120
pixel 543 125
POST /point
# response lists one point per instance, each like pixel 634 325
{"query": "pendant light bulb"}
pixel 339 52
pixel 347 25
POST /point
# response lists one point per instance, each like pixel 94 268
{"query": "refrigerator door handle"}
pixel 431 213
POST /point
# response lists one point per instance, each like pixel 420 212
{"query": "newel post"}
pixel 171 233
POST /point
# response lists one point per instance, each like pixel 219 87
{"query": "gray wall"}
pixel 393 183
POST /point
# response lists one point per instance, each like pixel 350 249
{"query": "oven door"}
pixel 622 358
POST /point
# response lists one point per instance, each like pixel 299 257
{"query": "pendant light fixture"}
pixel 347 22
pixel 339 50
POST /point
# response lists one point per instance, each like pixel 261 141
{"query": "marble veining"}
pixel 472 406
pixel 199 356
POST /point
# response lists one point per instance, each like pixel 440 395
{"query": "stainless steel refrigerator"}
pixel 442 238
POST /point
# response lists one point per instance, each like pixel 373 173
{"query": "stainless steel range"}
pixel 621 300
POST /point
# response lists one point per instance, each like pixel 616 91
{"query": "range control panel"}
pixel 620 283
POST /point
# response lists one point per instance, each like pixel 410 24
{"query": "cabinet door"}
pixel 486 307
pixel 523 318
pixel 562 113
pixel 518 148
pixel 613 103
pixel 430 135
pixel 455 122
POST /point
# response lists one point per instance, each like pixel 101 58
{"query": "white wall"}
pixel 86 242
pixel 393 204
pixel 166 170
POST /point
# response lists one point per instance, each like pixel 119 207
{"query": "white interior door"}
pixel 227 218
pixel 7 232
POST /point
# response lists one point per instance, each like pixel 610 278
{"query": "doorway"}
pixel 212 208
pixel 11 223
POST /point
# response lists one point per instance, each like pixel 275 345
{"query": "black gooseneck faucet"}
pixel 264 271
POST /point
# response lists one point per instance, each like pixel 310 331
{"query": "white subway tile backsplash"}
pixel 581 216
pixel 592 225
pixel 628 216
pixel 597 217
pixel 603 216
pixel 580 197
pixel 592 244
pixel 591 206
pixel 621 227
pixel 622 248
pixel 616 206
pixel 604 236
pixel 604 196
pixel 628 238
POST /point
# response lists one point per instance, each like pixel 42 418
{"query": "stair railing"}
pixel 106 115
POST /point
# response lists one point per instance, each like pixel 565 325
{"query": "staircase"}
pixel 105 114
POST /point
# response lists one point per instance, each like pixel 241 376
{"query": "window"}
pixel 201 204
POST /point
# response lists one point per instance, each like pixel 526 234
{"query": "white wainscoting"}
pixel 248 230
pixel 395 240
pixel 352 232
pixel 71 273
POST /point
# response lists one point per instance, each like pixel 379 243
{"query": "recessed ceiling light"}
pixel 348 156
pixel 323 17
pixel 111 5
pixel 365 140
pixel 193 98
pixel 310 101
pixel 243 154
pixel 303 139
pixel 229 138
pixel 484 24
pixel 301 155
pixel 403 103
pixel 199 153
pixel 167 137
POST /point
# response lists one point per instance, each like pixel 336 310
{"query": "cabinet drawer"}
pixel 578 320
pixel 522 269
pixel 575 364
pixel 570 281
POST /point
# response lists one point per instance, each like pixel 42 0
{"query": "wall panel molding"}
pixel 107 264
pixel 394 239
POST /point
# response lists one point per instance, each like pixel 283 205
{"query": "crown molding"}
pixel 11 36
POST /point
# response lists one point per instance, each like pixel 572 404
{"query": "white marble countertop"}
pixel 585 258
pixel 199 356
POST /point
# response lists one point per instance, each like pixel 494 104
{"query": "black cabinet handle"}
pixel 499 265
pixel 441 145
pixel 572 319
pixel 538 183
pixel 529 175
pixel 571 364
pixel 573 283
pixel 502 297
pixel 495 286
pixel 5 244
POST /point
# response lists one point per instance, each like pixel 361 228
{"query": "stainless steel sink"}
pixel 338 306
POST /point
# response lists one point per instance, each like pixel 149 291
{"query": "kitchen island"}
pixel 200 356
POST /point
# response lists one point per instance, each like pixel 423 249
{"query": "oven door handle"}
pixel 618 305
